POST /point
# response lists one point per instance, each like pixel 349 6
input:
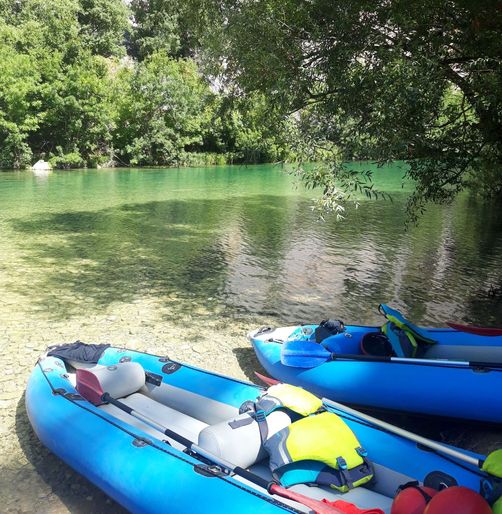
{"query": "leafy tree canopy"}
pixel 165 25
pixel 161 110
pixel 420 81
pixel 70 93
pixel 103 24
pixel 89 81
pixel 247 129
pixel 18 106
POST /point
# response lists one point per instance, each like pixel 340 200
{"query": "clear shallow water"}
pixel 240 241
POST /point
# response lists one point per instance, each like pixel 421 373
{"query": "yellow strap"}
pixel 394 320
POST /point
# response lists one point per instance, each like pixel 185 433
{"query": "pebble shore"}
pixel 34 480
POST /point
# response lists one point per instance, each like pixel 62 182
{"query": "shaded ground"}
pixel 34 480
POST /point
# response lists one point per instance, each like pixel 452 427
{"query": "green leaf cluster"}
pixel 162 109
pixel 104 82
pixel 248 129
pixel 420 81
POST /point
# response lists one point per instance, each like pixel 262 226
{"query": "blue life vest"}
pixel 403 335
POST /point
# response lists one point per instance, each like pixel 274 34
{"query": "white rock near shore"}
pixel 41 165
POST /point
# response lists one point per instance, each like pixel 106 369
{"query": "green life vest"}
pixel 403 335
pixel 318 448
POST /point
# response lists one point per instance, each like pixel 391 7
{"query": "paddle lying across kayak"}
pixel 160 436
pixel 450 372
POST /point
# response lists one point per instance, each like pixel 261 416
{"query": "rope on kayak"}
pixel 269 499
pixel 151 443
pixel 189 366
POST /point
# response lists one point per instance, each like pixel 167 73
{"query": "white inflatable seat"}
pixel 478 353
pixel 197 406
pixel 118 380
pixel 238 439
pixel 177 421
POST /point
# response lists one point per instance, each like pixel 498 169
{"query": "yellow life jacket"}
pixel 290 397
pixel 318 448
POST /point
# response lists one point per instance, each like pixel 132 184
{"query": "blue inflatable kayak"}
pixel 208 457
pixel 443 372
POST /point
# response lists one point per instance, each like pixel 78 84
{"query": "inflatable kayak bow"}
pixel 160 436
pixel 441 371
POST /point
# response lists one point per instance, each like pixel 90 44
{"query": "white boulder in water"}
pixel 41 165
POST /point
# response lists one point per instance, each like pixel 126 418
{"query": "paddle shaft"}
pixel 272 487
pixel 307 354
pixel 179 438
pixel 433 445
pixel 411 360
pixel 395 430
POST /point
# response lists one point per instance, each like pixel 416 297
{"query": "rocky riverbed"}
pixel 34 480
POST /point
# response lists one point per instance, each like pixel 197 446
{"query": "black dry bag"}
pixel 327 328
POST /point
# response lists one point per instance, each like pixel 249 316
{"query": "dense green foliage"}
pixel 162 25
pixel 161 82
pixel 382 79
pixel 95 82
pixel 161 110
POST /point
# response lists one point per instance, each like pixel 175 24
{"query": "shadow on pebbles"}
pixel 32 479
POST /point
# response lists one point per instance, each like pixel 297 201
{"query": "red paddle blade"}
pixel 266 380
pixel 89 387
pixel 317 506
pixel 472 329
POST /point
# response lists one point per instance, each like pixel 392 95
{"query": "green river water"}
pixel 185 261
pixel 241 240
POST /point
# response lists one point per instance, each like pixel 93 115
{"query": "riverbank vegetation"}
pixel 419 81
pixel 99 82
pixel 172 82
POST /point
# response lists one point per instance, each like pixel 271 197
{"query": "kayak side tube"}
pixel 138 472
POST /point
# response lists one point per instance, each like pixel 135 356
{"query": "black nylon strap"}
pixel 415 485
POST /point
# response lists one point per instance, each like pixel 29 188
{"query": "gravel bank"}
pixel 34 480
